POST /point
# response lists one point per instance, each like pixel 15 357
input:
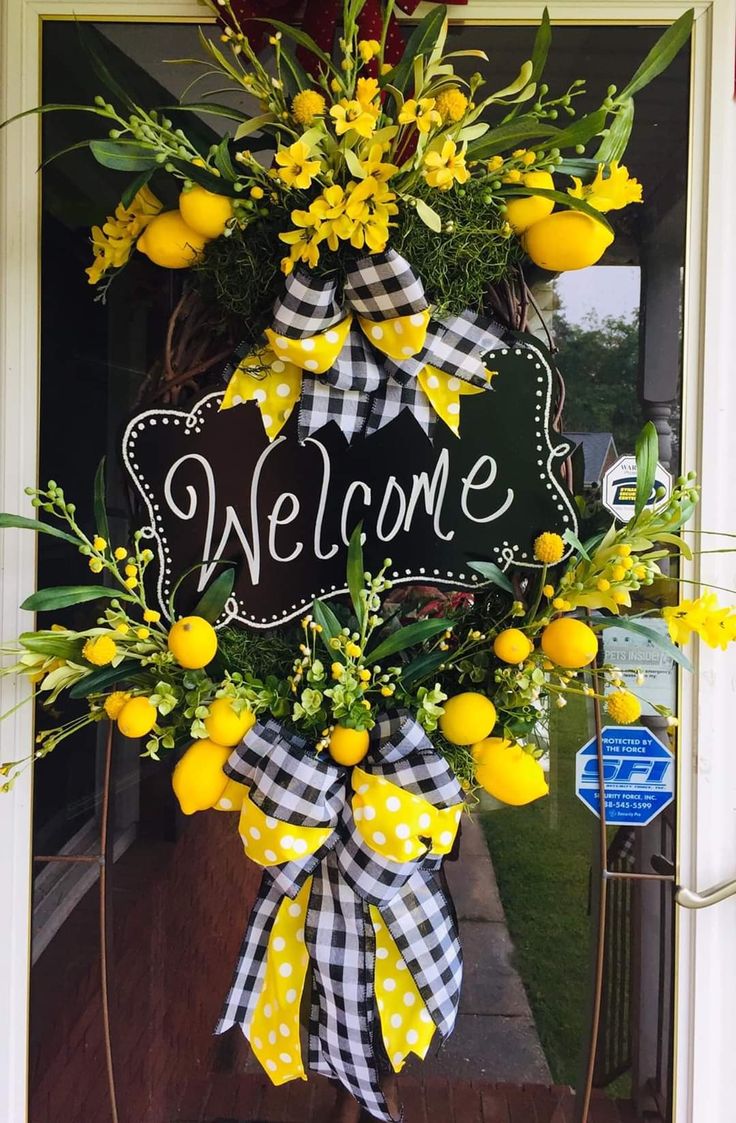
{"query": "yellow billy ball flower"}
pixel 387 691
pixel 618 573
pixel 130 570
pixel 122 628
pixel 352 649
pixel 100 650
pixel 95 565
pixel 548 590
pixel 114 703
pixel 256 192
pixel 306 105
pixel 337 670
pixel 495 163
pixel 549 548
pixel 151 616
pixel 99 543
pixel 451 104
pixel 368 49
pixel 603 584
pixel 623 707
pixel 364 674
pixel 121 553
pixel 142 633
pixel 131 582
pixel 623 550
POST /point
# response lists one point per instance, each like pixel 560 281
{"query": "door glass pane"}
pixel 524 882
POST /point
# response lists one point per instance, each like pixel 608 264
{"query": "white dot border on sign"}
pixel 235 610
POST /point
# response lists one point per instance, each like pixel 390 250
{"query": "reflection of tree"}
pixel 599 361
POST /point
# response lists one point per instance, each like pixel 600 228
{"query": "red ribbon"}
pixel 320 22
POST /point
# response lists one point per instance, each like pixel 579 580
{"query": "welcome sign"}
pixel 216 489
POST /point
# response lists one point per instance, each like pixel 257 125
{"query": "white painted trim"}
pixel 706 985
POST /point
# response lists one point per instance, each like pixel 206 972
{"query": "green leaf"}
pixel 210 107
pixel 656 637
pixel 355 570
pixel 429 216
pixel 582 166
pixel 253 125
pixel 53 644
pixel 661 55
pixel 509 134
pixel 614 142
pixel 421 42
pixel 99 502
pixel 187 573
pixel 303 40
pixel 94 44
pixel 520 82
pixel 63 152
pixel 582 130
pixel 134 187
pixel 412 634
pixel 355 167
pixel 123 155
pixel 215 596
pixel 492 573
pixel 223 162
pixel 106 676
pixel 21 523
pixel 299 79
pixel 647 454
pixel 64 596
pixel 571 538
pixel 569 201
pixel 331 627
pixel 52 107
pixel 540 51
pixel 421 667
pixel 214 183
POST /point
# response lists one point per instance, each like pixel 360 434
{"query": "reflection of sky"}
pixel 603 290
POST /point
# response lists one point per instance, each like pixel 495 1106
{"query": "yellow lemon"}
pixel 232 797
pixel 198 779
pixel 205 212
pixel 565 240
pixel 569 643
pixel 507 773
pixel 348 746
pixel 137 717
pixel 523 212
pixel 468 718
pixel 224 726
pixel 169 241
pixel 512 646
pixel 193 642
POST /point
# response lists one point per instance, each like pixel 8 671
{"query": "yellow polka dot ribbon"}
pixel 269 842
pixel 400 337
pixel 397 824
pixel 274 1029
pixel 406 1024
pixel 315 354
pixel 273 383
pixel 444 392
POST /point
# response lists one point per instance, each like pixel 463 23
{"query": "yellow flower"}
pixel 306 105
pixel 131 582
pixel 495 163
pixel 445 167
pixel 623 550
pixel 349 115
pixel 451 104
pixel 369 207
pixel 151 616
pixel 421 113
pixel 295 167
pixel 99 543
pixel 375 166
pixel 131 570
pixel 256 192
pixel 337 670
pixel 623 707
pixel 548 590
pixel 95 565
pixel 716 626
pixel 611 193
pixel 112 244
pixel 122 628
pixel 514 176
pixel 304 241
pixel 618 573
pixel 352 650
pixel 368 49
pixel 549 548
pixel 364 674
pixel 603 584
pixel 114 703
pixel 366 92
pixel 387 691
pixel 142 633
pixel 101 650
pixel 121 553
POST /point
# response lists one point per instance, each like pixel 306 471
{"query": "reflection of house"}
pixel 598 453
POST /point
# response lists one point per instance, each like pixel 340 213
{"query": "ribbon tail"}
pixel 250 970
pixel 392 398
pixel 341 946
pixel 322 403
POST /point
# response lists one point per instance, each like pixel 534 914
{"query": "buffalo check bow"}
pixel 359 363
pixel 349 890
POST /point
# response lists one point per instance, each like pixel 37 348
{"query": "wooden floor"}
pixel 252 1099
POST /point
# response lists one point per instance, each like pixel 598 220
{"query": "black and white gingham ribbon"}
pixel 364 390
pixel 290 781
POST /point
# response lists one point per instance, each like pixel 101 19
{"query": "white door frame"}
pixel 706 977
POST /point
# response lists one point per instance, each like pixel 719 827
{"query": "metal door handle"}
pixel 689 899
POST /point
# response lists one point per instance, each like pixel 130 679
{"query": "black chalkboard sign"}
pixel 215 488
